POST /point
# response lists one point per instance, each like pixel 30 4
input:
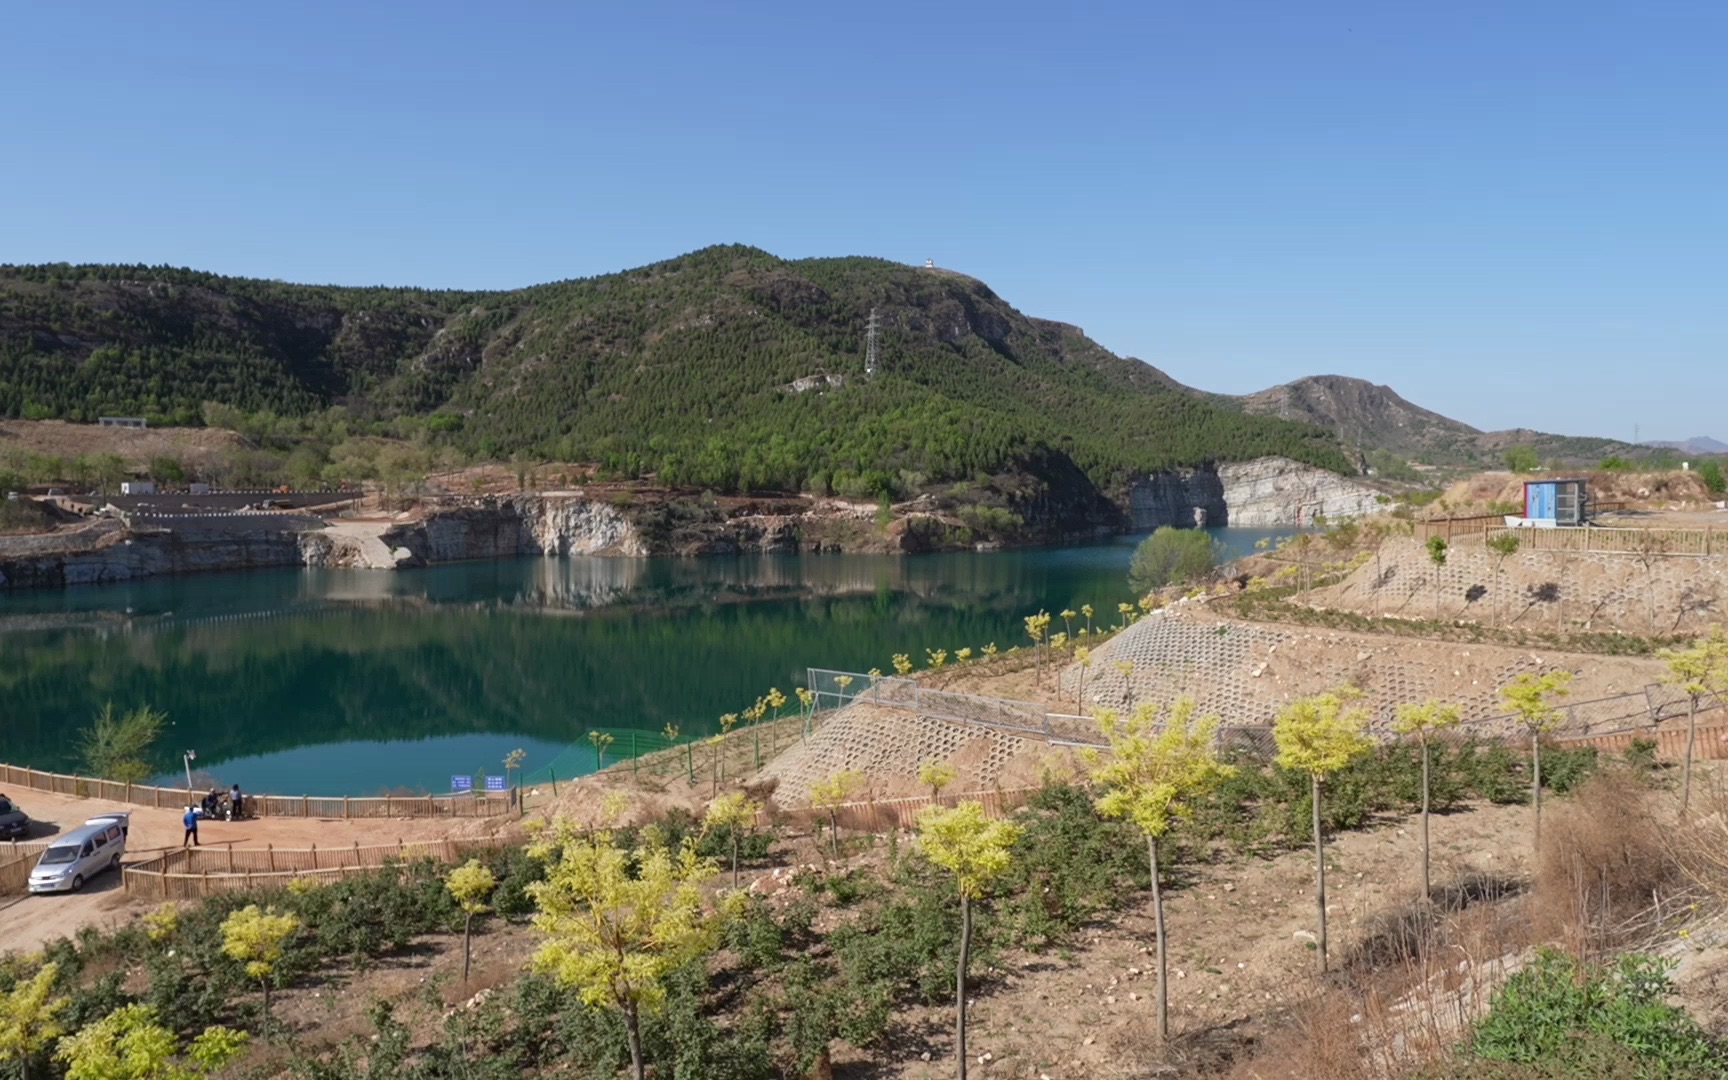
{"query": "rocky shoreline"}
pixel 1270 492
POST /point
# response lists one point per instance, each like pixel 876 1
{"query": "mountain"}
pixel 1376 419
pixel 1697 444
pixel 1360 412
pixel 726 368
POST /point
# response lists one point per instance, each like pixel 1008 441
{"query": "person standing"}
pixel 191 823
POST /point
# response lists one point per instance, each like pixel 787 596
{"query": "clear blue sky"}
pixel 1515 213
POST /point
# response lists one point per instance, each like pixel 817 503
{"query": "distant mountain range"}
pixel 1697 444
pixel 1375 418
pixel 726 368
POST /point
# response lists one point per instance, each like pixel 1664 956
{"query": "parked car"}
pixel 14 823
pixel 81 854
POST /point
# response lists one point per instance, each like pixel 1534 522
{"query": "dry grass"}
pixel 1614 874
pixel 1610 863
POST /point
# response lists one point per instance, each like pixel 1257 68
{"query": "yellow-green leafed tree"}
pixel 1082 657
pixel 829 795
pixel 1036 627
pixel 1155 770
pixel 1531 697
pixel 1320 735
pixel 617 922
pixel 937 658
pixel 1086 610
pixel 1067 616
pixel 806 700
pixel 257 937
pixel 976 850
pixel 1697 672
pixel 1423 721
pixel 734 812
pixel 131 1044
pixel 775 700
pixel 936 775
pixel 471 884
pixel 30 1018
pixel 902 664
pixel 601 741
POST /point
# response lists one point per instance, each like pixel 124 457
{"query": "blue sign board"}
pixel 461 783
pixel 494 783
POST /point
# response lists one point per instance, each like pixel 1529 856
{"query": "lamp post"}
pixel 187 759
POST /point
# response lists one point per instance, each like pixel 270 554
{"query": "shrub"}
pixel 1538 1016
pixel 1068 867
pixel 1173 556
pixel 1710 471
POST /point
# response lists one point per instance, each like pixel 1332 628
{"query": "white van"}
pixel 81 854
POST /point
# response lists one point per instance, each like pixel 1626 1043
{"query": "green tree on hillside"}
pixel 1157 768
pixel 1173 556
pixel 967 844
pixel 1698 672
pixel 1424 721
pixel 1321 735
pixel 116 746
pixel 617 922
pixel 1522 459
pixel 1531 698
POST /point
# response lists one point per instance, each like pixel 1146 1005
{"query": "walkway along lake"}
pixel 359 682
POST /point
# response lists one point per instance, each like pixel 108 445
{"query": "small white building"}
pixel 122 421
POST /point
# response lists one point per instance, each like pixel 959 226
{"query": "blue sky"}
pixel 1516 214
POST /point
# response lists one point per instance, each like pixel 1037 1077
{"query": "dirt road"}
pixel 28 922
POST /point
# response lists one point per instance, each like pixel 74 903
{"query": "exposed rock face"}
pixel 175 546
pixel 1277 491
pixel 1266 492
pixel 1183 499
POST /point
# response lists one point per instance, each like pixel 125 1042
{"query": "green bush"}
pixel 1173 557
pixel 1710 471
pixel 1539 1016
pixel 1069 866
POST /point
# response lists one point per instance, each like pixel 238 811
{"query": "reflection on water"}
pixel 331 682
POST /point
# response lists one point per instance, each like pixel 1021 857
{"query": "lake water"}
pixel 328 682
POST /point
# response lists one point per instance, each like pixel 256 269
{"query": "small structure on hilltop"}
pixel 1553 503
pixel 122 421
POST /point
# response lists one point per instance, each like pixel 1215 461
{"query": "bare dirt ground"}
pixel 27 922
pixel 1667 491
pixel 1238 952
pixel 135 446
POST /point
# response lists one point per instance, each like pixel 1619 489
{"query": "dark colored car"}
pixel 14 823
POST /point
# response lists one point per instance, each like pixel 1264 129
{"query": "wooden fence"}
pixel 1624 541
pixel 16 862
pixel 883 815
pixel 191 873
pixel 1448 528
pixel 1670 742
pixel 305 806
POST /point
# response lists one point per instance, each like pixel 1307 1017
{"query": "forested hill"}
pixel 685 368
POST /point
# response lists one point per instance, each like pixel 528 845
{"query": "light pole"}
pixel 187 759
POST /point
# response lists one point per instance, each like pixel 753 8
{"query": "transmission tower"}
pixel 872 359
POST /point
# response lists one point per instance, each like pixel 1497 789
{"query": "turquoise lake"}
pixel 325 682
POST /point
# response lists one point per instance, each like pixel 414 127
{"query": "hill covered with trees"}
pixel 727 368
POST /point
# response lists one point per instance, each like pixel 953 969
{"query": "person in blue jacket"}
pixel 191 823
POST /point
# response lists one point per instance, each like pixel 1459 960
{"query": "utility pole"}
pixel 872 359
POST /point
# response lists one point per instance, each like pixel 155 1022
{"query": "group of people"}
pixel 212 805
